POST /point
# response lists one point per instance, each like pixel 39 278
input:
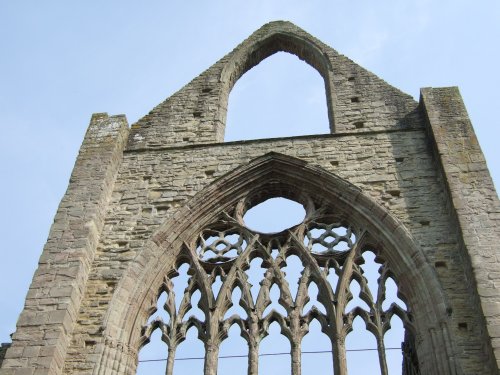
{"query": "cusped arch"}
pixel 278 36
pixel 268 176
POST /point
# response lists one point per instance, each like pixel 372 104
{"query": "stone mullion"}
pixel 211 357
pixel 340 365
pixel 294 311
pixel 381 354
pixel 221 305
pixel 295 317
pixel 296 356
pixel 333 340
pixel 300 299
pixel 212 344
pixel 339 360
pixel 295 328
pixel 254 335
pixel 170 360
pixel 378 311
pixel 169 337
pixel 253 356
pixel 212 341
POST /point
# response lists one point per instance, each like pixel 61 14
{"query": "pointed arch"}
pixel 268 176
pixel 278 36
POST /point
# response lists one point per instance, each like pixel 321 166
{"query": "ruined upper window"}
pixel 280 97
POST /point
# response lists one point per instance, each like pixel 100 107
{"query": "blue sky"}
pixel 62 61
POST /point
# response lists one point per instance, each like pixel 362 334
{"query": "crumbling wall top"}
pixel 356 99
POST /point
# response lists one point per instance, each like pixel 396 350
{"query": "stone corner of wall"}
pixel 472 195
pixel 3 350
pixel 105 131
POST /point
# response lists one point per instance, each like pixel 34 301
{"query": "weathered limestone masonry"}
pixel 44 328
pixel 3 350
pixel 408 178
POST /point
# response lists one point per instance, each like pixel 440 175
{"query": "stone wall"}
pixel 45 326
pixel 3 350
pixel 473 197
pixel 395 168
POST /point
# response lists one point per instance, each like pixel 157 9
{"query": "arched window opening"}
pixel 189 357
pixel 316 351
pixel 362 359
pixel 269 300
pixel 274 305
pixel 180 280
pixel 393 341
pixel 371 271
pixel 313 293
pixel 236 308
pixel 281 97
pixel 255 274
pixel 151 356
pixel 391 295
pixel 356 302
pixel 292 271
pixel 274 348
pixel 233 352
pixel 216 285
pixel 195 311
pixel 160 313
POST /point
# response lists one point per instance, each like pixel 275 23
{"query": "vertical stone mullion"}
pixel 211 358
pixel 296 354
pixel 253 359
pixel 381 354
pixel 340 365
pixel 170 360
pixel 339 360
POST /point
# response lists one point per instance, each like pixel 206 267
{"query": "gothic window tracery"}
pixel 236 276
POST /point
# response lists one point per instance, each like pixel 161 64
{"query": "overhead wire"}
pixel 263 354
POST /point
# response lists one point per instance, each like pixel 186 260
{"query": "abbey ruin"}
pixel 403 180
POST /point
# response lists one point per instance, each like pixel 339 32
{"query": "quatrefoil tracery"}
pixel 217 246
pixel 330 238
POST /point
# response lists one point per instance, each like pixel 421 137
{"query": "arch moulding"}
pixel 265 177
pixel 272 38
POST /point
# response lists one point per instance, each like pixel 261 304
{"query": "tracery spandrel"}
pixel 334 257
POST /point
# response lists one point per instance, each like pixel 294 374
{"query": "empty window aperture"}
pixel 280 97
pixel 148 355
pixel 274 215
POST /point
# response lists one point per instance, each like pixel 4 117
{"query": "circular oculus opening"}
pixel 274 215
